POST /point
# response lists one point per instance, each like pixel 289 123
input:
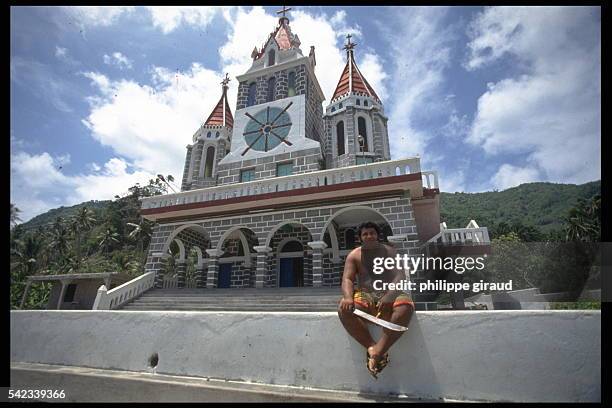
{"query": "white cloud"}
pixel 63 160
pixel 419 40
pixel 42 81
pixel 60 52
pixel 372 69
pixel 153 136
pixel 456 127
pixel 87 16
pixel 168 18
pixel 511 176
pixel 118 60
pixel 551 113
pixel 251 28
pixel 452 181
pixel 38 184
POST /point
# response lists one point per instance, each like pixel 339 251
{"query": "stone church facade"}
pixel 273 196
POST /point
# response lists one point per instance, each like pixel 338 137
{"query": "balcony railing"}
pixel 295 181
pixel 471 234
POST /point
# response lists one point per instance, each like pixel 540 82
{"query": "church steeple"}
pixel 221 115
pixel 281 36
pixel 352 80
pixel 356 127
pixel 211 142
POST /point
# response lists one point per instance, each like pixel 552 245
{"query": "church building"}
pixel 272 194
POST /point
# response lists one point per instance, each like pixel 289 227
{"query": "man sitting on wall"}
pixel 394 306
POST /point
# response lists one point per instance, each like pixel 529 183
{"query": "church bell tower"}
pixel 355 124
pixel 278 125
pixel 211 142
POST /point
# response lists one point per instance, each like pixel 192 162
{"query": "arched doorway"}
pixel 291 265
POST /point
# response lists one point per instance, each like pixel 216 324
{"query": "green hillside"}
pixel 64 212
pixel 542 205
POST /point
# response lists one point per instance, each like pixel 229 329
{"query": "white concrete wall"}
pixel 489 355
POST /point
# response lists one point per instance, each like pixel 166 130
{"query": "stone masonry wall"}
pixel 265 167
pixel 397 211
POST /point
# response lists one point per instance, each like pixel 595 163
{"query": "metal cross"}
pixel 349 45
pixel 284 11
pixel 226 80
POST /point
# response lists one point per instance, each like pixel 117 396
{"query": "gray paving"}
pixel 83 384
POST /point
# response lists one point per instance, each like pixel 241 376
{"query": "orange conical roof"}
pixel 221 114
pixel 351 80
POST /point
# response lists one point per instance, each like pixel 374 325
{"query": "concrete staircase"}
pixel 245 299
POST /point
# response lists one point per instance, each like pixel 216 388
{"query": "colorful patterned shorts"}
pixel 368 300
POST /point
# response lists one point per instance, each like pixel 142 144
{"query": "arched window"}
pixel 210 156
pixel 271 88
pixel 271 58
pixel 251 97
pixel 340 137
pixel 361 129
pixel 208 135
pixel 291 84
pixel 217 134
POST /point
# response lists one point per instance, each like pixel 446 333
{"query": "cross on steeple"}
pixel 284 11
pixel 225 81
pixel 349 45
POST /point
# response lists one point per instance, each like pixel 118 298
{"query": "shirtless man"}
pixel 394 306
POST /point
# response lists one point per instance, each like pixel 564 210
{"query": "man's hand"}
pixel 347 305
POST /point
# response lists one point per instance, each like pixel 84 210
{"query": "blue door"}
pixel 286 273
pixel 225 273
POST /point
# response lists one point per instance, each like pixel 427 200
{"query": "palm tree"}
pixel 167 180
pixel 14 214
pixel 582 222
pixel 140 232
pixel 82 221
pixel 23 262
pixel 129 266
pixel 59 244
pixel 107 238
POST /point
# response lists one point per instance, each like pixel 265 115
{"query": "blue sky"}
pixel 105 97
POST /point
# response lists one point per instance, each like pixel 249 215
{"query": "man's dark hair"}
pixel 369 224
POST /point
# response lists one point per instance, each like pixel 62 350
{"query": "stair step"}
pixel 233 308
pixel 251 299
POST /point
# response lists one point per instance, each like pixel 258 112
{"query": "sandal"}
pixel 383 362
pixel 374 372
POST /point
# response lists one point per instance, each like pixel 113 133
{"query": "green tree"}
pixel 107 239
pixel 583 222
pixel 25 256
pixel 59 244
pixel 83 221
pixel 141 232
pixel 14 215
